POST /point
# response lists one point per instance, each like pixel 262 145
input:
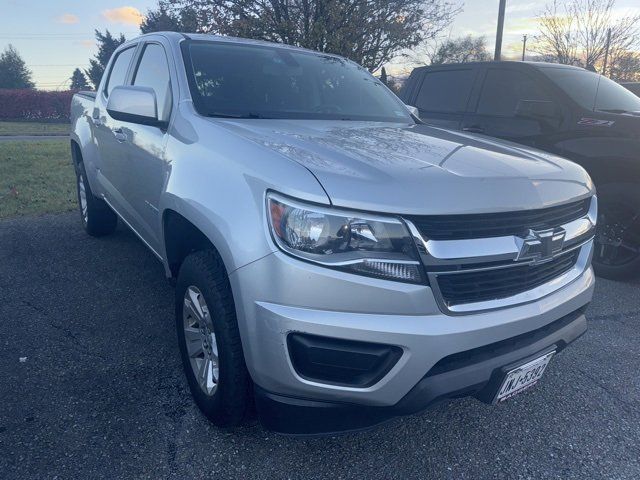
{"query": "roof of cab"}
pixel 178 36
pixel 503 62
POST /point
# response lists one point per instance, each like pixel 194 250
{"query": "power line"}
pixel 59 65
pixel 59 36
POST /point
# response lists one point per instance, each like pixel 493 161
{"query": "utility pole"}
pixel 524 46
pixel 606 52
pixel 498 54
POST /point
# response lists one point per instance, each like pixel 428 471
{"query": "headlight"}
pixel 365 244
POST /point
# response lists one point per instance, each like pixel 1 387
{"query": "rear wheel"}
pixel 209 340
pixel 617 246
pixel 97 218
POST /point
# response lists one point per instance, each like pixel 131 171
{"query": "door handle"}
pixel 95 115
pixel 120 135
pixel 473 129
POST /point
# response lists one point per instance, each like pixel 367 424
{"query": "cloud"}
pixel 528 7
pixel 68 18
pixel 520 26
pixel 125 15
pixel 86 43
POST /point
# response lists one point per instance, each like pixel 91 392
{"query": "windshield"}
pixel 593 91
pixel 254 81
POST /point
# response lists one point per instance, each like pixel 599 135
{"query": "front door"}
pixel 501 109
pixel 147 165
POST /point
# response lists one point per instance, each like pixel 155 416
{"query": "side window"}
pixel 118 73
pixel 153 72
pixel 446 91
pixel 503 89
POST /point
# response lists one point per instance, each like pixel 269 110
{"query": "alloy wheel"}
pixel 618 235
pixel 200 338
pixel 82 193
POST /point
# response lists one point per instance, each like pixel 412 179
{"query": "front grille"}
pixel 459 227
pixel 471 287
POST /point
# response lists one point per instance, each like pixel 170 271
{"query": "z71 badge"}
pixel 594 122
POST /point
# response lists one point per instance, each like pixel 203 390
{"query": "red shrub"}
pixel 34 105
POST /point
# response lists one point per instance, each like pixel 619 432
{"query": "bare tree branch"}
pixel 576 33
pixel 370 32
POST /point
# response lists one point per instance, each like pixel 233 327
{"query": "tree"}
pixel 107 44
pixel 370 32
pixel 164 19
pixel 78 80
pixel 577 33
pixel 13 71
pixel 383 76
pixel 461 50
pixel 625 67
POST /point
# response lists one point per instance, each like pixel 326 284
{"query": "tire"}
pixel 97 218
pixel 224 397
pixel 617 245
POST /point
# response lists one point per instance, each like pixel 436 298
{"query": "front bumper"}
pixel 477 373
pixel 277 295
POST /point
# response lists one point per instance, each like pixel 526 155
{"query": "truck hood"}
pixel 418 169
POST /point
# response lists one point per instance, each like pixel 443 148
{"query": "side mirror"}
pixel 413 110
pixel 135 105
pixel 537 109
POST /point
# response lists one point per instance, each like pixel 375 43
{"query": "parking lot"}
pixel 91 387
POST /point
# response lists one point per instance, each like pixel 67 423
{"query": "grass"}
pixel 36 177
pixel 33 128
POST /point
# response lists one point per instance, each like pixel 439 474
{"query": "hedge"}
pixel 32 105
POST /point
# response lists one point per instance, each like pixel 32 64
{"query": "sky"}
pixel 56 36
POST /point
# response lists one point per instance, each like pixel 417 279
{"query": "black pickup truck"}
pixel 565 110
pixel 632 87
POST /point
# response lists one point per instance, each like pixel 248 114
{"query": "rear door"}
pixel 108 131
pixel 443 95
pixel 496 112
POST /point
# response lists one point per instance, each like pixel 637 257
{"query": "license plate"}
pixel 523 377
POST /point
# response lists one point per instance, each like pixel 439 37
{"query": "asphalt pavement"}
pixel 91 386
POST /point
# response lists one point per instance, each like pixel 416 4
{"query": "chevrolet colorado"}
pixel 336 261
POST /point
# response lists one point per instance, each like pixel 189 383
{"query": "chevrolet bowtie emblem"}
pixel 541 245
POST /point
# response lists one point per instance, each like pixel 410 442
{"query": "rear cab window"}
pixel 446 91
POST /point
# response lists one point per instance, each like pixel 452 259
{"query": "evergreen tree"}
pixel 383 76
pixel 107 44
pixel 78 80
pixel 13 71
pixel 165 19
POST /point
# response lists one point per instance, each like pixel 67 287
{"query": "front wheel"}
pixel 209 340
pixel 617 245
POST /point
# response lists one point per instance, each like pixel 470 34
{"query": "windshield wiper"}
pixel 232 115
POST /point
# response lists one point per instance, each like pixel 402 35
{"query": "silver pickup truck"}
pixel 336 261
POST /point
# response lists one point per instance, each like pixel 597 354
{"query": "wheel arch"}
pixel 183 234
pixel 76 154
pixel 614 171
